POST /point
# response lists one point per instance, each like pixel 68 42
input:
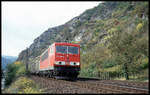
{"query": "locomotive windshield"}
pixel 72 50
pixel 67 49
pixel 61 49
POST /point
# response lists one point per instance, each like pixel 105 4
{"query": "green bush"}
pixel 23 85
pixel 108 64
pixel 90 71
pixel 21 70
pixel 14 70
pixel 10 73
pixel 143 66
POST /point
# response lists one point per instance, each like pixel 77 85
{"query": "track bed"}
pixel 90 85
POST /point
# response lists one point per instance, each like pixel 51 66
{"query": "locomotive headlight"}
pixel 77 63
pixel 62 63
pixel 74 63
pixel 59 62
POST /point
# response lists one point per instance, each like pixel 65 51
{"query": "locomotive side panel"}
pixel 47 59
pixel 52 56
pixel 44 61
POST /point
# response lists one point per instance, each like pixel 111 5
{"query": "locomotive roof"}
pixel 65 43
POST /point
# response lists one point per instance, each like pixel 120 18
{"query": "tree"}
pixel 127 46
pixel 10 73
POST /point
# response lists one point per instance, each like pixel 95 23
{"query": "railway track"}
pixel 118 88
pixel 122 86
pixel 138 85
pixel 86 85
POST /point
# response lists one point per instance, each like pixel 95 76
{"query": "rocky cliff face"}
pixel 87 29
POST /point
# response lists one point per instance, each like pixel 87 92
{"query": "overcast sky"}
pixel 22 22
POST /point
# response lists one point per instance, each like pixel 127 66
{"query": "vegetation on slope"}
pixel 125 43
pixel 13 71
pixel 23 85
pixel 16 82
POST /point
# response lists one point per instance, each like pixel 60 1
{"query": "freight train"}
pixel 59 60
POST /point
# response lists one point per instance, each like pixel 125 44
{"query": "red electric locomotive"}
pixel 61 59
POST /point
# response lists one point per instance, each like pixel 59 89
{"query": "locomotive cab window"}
pixel 61 49
pixel 67 49
pixel 72 50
